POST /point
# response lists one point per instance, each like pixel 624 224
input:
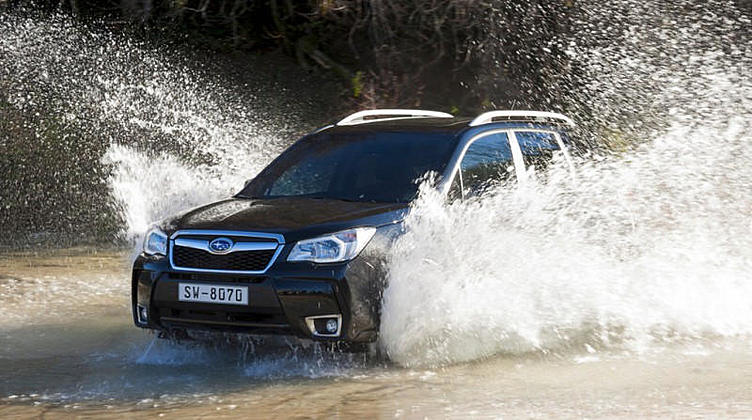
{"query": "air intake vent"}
pixel 236 261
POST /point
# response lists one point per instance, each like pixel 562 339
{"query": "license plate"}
pixel 211 293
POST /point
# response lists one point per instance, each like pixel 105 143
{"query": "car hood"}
pixel 293 217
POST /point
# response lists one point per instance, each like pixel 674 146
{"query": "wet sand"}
pixel 68 349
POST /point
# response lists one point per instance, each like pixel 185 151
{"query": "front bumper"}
pixel 287 299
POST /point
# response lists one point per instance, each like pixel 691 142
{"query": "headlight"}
pixel 155 242
pixel 335 247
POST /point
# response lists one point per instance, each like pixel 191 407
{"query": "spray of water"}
pixel 644 246
pixel 175 133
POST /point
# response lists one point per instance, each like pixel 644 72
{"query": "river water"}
pixel 69 348
pixel 622 291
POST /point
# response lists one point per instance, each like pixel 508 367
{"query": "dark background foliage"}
pixel 386 53
pixel 457 55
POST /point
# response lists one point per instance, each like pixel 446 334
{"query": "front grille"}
pixel 185 257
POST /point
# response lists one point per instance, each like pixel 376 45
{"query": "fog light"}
pixel 325 325
pixel 142 314
pixel 331 326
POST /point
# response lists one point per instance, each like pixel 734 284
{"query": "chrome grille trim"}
pixel 237 246
pixel 251 246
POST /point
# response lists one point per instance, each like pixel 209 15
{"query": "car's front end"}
pixel 316 282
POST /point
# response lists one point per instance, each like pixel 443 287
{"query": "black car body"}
pixel 300 251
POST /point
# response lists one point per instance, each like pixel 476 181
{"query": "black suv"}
pixel 300 249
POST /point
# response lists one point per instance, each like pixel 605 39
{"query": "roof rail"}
pixel 488 117
pixel 390 114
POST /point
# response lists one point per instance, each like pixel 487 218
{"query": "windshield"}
pixel 379 167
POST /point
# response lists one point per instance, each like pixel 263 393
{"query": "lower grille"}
pixel 222 319
pixel 185 257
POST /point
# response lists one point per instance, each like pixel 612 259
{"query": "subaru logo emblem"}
pixel 220 246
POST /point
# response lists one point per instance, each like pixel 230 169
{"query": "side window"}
pixel 488 160
pixel 538 148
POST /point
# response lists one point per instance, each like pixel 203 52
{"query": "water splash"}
pixel 639 248
pixel 172 130
pixel 262 358
pixel 646 246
